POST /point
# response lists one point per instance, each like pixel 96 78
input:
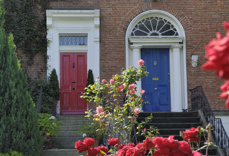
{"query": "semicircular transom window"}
pixel 154 26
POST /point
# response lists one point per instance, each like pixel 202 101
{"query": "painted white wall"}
pixel 225 121
pixel 178 75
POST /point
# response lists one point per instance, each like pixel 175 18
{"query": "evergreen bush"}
pixel 54 85
pixel 90 78
pixel 19 124
pixel 47 98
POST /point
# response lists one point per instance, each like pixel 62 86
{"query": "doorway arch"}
pixel 143 33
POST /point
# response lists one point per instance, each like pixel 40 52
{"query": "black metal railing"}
pixel 199 101
pixel 39 101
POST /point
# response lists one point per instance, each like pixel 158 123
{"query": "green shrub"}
pixel 54 85
pixel 19 125
pixel 11 153
pixel 50 92
pixel 49 126
pixel 90 78
pixel 47 98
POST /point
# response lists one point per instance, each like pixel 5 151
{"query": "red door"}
pixel 73 79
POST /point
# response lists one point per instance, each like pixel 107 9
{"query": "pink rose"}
pixel 111 81
pixel 97 77
pixel 95 115
pixel 99 109
pixel 136 111
pixel 143 92
pixel 104 81
pixel 141 62
pixel 131 86
pixel 120 88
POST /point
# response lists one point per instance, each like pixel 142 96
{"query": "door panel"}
pixel 157 84
pixel 73 79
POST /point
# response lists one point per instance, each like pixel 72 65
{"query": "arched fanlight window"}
pixel 154 26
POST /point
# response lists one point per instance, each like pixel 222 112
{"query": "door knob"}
pixel 73 88
pixel 155 88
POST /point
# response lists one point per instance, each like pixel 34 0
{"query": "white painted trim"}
pixel 73 22
pixel 162 42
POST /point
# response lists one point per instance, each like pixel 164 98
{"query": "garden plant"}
pixel 19 130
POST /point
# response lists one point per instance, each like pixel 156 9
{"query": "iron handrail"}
pixel 199 101
pixel 39 101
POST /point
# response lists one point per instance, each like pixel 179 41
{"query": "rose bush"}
pixel 156 146
pixel 117 103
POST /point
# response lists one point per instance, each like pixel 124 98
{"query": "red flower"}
pixel 104 81
pixel 89 142
pixel 184 147
pixel 191 134
pixel 141 148
pixel 132 151
pixel 102 148
pixel 131 86
pixel 148 143
pixel 196 153
pixel 81 147
pixel 93 152
pixel 143 92
pixel 120 88
pixel 121 146
pixel 131 144
pixel 113 141
pixel 217 54
pixel 225 89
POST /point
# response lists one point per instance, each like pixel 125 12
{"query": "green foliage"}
pixel 49 126
pixel 26 20
pixel 19 126
pixel 11 153
pixel 47 98
pixel 54 85
pixel 90 78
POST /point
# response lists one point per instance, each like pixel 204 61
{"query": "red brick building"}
pixel 108 36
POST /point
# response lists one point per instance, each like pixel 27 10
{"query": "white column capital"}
pixel 176 46
pixel 135 47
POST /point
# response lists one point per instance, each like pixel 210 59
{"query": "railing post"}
pixel 39 101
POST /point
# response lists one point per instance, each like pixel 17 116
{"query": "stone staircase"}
pixel 64 143
pixel 172 123
pixel 167 123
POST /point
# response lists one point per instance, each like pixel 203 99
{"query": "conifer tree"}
pixel 54 85
pixel 19 128
pixel 90 78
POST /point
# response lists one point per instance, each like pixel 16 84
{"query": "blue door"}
pixel 157 84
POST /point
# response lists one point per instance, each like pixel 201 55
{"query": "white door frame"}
pixel 177 48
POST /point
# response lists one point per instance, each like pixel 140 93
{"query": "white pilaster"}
pixel 136 58
pixel 177 81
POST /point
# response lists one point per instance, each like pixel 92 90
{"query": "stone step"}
pixel 61 152
pixel 69 134
pixel 173 125
pixel 66 127
pixel 64 145
pixel 74 122
pixel 171 119
pixel 170 114
pixel 67 139
pixel 71 117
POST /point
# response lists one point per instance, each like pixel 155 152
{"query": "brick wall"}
pixel 200 19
